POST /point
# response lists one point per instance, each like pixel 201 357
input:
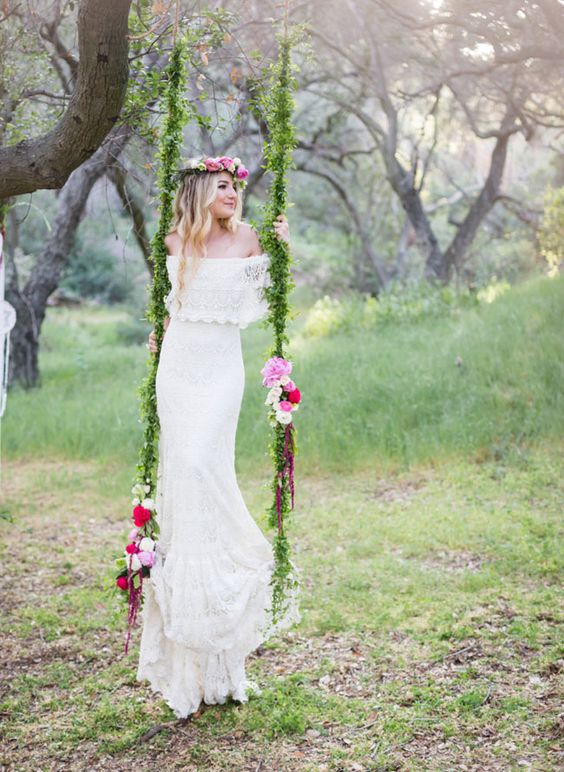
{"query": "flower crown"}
pixel 219 164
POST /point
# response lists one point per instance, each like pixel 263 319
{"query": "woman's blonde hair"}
pixel 192 218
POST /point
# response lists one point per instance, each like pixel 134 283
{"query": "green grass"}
pixel 427 530
pixel 393 394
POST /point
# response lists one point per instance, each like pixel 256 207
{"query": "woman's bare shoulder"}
pixel 172 242
pixel 249 239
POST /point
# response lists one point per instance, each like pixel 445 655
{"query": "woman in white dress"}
pixel 205 606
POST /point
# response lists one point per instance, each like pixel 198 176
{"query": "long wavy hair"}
pixel 192 219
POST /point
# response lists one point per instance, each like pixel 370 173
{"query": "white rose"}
pixel 237 161
pixel 136 501
pixel 148 504
pixel 283 417
pixel 273 396
pixel 137 489
pixel 146 544
pixel 135 563
pixel 284 380
pixel 147 488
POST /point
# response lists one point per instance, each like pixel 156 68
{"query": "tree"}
pixel 100 78
pixel 405 74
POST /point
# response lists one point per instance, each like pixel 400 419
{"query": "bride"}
pixel 206 603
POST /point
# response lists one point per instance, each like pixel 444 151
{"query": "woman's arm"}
pixel 152 344
pixel 281 228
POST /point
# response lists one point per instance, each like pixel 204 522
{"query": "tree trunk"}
pixel 31 301
pixel 467 229
pixel 101 84
pixel 402 183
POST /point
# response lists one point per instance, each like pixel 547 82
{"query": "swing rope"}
pixel 130 576
pixel 276 103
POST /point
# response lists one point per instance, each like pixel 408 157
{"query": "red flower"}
pixel 122 582
pixel 141 515
pixel 294 396
pixel 132 548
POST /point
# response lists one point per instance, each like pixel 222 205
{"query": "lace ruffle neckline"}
pixel 208 260
pixel 231 292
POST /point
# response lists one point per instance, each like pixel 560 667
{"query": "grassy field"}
pixel 427 530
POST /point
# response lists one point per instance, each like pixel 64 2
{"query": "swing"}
pixel 276 104
pixel 7 322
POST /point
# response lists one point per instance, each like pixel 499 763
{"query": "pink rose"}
pixel 285 405
pixel 242 173
pixel 274 369
pixel 121 582
pixel 225 161
pixel 290 386
pixel 147 558
pixel 132 548
pixel 133 534
pixel 212 164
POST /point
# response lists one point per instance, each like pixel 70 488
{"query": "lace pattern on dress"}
pixel 226 291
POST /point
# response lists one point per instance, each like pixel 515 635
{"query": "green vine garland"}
pixel 177 112
pixel 276 102
pixel 169 155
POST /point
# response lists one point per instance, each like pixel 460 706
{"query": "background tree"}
pixel 405 75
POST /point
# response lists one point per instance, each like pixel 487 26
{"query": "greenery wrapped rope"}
pixel 276 102
pixel 130 576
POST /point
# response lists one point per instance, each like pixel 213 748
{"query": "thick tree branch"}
pixel 101 83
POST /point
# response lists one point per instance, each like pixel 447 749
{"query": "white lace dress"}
pixel 205 604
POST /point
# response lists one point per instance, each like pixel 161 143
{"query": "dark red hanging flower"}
pixel 132 548
pixel 121 582
pixel 141 516
pixel 294 396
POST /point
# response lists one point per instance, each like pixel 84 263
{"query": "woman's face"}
pixel 226 197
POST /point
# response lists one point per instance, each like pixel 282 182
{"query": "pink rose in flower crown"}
pixel 146 559
pixel 141 515
pixel 274 369
pixel 133 534
pixel 294 396
pixel 242 173
pixel 212 164
pixel 225 161
pixel 288 387
pixel 285 405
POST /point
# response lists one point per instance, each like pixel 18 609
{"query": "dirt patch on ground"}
pixel 400 491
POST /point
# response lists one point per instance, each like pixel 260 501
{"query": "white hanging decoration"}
pixel 7 321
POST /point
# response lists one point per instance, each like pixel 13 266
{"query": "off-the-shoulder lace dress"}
pixel 205 604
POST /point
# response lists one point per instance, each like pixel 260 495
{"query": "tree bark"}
pixel 466 232
pixel 31 301
pixel 95 105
